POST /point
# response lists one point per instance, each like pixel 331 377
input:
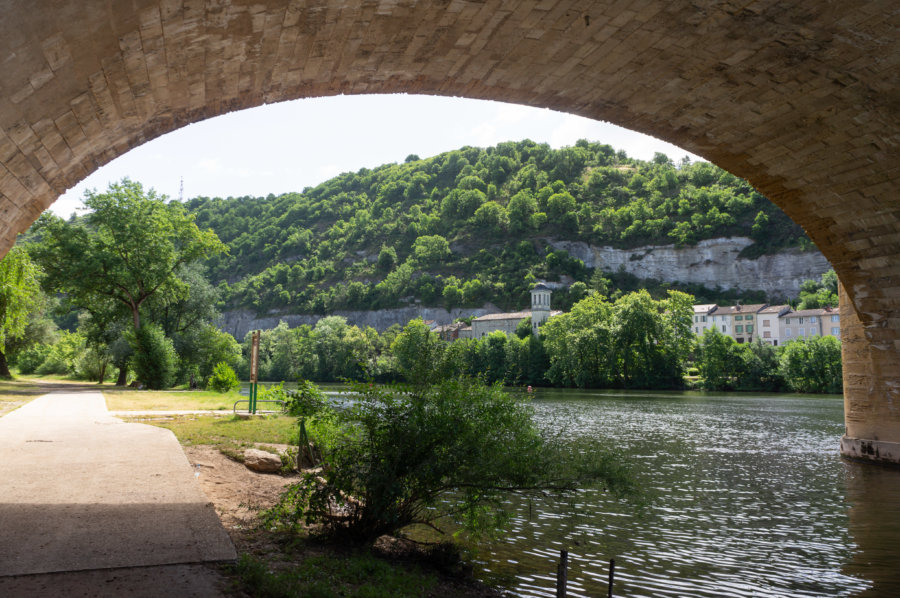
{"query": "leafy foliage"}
pixel 819 294
pixel 433 454
pixel 124 251
pixel 19 289
pixel 424 229
pixel 813 364
pixel 634 342
pixel 223 378
pixel 154 359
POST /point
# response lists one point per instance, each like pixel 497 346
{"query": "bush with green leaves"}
pixel 154 360
pixel 435 454
pixel 64 355
pixel 30 359
pixel 223 378
pixel 812 364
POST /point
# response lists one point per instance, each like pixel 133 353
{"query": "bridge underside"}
pixel 801 98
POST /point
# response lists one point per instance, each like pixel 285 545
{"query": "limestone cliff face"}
pixel 713 262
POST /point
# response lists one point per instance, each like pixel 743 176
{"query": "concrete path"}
pixel 82 490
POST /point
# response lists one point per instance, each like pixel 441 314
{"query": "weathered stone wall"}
pixel 713 262
pixel 239 322
pixel 801 98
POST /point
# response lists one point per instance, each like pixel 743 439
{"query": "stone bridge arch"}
pixel 801 98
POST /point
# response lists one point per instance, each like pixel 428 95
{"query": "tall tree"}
pixel 126 249
pixel 19 289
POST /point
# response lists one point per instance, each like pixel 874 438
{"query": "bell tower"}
pixel 540 306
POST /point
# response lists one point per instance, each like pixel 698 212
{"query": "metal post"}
pixel 254 369
pixel 612 572
pixel 562 574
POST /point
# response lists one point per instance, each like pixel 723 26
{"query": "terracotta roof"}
pixel 740 309
pixel 705 308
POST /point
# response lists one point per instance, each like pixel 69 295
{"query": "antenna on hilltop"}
pixel 181 191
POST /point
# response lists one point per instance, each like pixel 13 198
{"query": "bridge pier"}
pixel 871 355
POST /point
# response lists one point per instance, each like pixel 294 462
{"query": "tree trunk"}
pixel 123 376
pixel 4 367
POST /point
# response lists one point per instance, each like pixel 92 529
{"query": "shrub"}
pixel 31 358
pixel 63 357
pixel 447 452
pixel 223 378
pixel 154 360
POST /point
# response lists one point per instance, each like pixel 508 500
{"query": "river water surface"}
pixel 748 497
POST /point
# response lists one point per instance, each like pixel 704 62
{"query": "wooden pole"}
pixel 612 572
pixel 562 574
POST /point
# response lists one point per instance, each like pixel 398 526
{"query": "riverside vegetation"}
pixel 133 288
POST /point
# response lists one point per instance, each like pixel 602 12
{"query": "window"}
pixel 767 334
pixel 696 319
pixel 835 331
pixel 766 323
pixel 787 321
pixel 813 332
pixel 738 328
pixel 723 327
pixel 801 332
pixel 696 330
pixel 801 320
pixel 749 327
pixel 835 318
pixel 787 332
pixel 748 317
pixel 702 318
pixel 738 317
pixel 812 319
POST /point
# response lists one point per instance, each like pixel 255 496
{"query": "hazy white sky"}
pixel 288 146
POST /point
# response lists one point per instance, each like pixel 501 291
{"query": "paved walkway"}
pixel 82 490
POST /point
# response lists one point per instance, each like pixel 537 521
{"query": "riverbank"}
pixel 275 565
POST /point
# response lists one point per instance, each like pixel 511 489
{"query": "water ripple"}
pixel 749 499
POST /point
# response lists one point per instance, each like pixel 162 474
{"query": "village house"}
pixel 772 324
pixel 508 322
pixel 810 322
pixel 768 320
pixel 702 317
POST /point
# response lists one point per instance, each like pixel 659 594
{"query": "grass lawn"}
pixel 229 433
pixel 130 399
pixel 357 574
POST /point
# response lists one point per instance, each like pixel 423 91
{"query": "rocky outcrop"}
pixel 712 263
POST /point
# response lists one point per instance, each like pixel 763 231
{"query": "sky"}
pixel 284 147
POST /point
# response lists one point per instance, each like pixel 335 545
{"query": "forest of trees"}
pixel 472 225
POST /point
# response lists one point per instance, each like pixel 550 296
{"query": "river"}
pixel 748 496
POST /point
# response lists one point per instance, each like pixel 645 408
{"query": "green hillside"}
pixel 471 225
